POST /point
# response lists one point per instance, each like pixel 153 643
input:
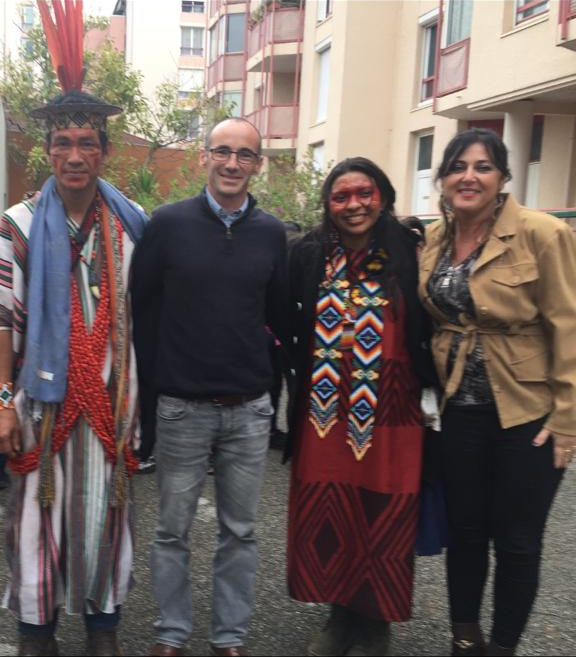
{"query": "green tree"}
pixel 290 190
pixel 29 81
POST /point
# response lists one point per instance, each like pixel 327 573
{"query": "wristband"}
pixel 6 395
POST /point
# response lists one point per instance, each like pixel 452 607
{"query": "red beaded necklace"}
pixel 86 392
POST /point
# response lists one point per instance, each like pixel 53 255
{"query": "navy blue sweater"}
pixel 202 295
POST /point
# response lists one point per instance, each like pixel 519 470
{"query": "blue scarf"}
pixel 44 372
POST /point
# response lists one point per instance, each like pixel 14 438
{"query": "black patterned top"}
pixel 448 287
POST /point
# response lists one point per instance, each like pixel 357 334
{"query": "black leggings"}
pixel 500 487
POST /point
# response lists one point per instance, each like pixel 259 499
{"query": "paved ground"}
pixel 283 627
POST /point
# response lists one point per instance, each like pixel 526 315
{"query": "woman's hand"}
pixel 564 446
pixel 10 435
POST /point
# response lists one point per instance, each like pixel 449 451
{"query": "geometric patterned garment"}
pixel 349 315
pixel 78 552
pixel 352 523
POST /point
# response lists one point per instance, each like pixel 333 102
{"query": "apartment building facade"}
pixel 394 80
pixel 165 44
pixel 254 61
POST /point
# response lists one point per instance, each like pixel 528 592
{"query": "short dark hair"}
pixel 491 141
pixel 414 223
pixel 293 226
pixel 237 119
pixel 102 138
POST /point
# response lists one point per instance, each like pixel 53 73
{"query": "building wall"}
pixel 557 173
pixel 375 76
pixel 153 40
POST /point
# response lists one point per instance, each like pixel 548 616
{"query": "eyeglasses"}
pixel 244 156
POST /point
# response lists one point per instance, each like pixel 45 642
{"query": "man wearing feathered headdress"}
pixel 67 370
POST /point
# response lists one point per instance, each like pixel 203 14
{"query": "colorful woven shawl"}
pixel 349 315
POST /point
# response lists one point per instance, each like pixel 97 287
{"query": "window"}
pixel 189 80
pixel 529 8
pixel 192 41
pixel 192 7
pixel 324 10
pixel 533 174
pixel 235 32
pixel 234 100
pixel 213 47
pixel 318 157
pixel 27 46
pixel 27 16
pixel 429 38
pixel 323 84
pixel 423 175
pixel 536 141
pixel 458 20
pixel 193 127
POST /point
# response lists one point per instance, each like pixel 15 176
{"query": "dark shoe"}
pixel 337 636
pixel 468 640
pixel 4 480
pixel 37 646
pixel 373 639
pixel 232 651
pixel 148 466
pixel 164 650
pixel 494 650
pixel 278 439
pixel 103 644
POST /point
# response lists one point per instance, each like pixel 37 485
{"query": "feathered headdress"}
pixel 65 39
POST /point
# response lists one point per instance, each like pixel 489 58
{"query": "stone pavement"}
pixel 283 627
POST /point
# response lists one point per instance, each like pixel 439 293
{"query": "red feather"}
pixel 65 40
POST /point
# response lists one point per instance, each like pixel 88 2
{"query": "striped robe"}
pixel 77 553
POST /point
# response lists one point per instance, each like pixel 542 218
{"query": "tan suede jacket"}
pixel 524 292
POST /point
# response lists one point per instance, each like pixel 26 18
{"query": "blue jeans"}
pixel 187 432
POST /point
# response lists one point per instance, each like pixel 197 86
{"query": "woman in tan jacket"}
pixel 499 281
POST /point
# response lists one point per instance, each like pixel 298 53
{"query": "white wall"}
pixel 153 40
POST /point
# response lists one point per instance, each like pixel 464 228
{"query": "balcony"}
pixel 277 33
pixel 567 24
pixel 278 125
pixel 227 68
pixel 217 5
pixel 453 68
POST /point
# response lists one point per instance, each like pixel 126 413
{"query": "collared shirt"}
pixel 227 218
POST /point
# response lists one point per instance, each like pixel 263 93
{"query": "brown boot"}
pixel 103 644
pixel 31 645
pixel 494 650
pixel 468 640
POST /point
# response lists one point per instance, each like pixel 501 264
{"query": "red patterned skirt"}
pixel 352 524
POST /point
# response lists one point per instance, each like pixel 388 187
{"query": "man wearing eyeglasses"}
pixel 208 277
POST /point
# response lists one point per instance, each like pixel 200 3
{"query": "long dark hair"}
pixel 491 141
pixel 368 168
pixel 387 230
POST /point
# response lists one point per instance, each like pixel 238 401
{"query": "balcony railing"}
pixel 216 5
pixel 196 52
pixel 276 121
pixel 566 14
pixel 453 68
pixel 283 25
pixel 227 68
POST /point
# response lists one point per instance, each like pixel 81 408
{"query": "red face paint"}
pixel 355 204
pixel 368 196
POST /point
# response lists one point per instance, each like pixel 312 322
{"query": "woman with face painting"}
pixel 355 420
pixel 498 280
